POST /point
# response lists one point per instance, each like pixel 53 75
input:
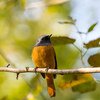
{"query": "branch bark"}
pixel 52 71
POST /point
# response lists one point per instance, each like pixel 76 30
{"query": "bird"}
pixel 43 56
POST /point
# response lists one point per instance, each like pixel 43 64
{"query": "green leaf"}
pixel 69 81
pixel 85 87
pixel 65 22
pixel 61 40
pixel 78 82
pixel 92 27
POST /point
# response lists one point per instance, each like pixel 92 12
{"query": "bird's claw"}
pixel 35 69
pixel 47 69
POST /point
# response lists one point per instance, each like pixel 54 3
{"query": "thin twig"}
pixel 12 64
pixel 77 48
pixel 52 71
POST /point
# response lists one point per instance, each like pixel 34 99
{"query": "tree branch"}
pixel 45 4
pixel 52 71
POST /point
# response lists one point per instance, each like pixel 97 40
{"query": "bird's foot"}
pixel 35 69
pixel 47 69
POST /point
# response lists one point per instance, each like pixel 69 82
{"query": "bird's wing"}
pixel 54 75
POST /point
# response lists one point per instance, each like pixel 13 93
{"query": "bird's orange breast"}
pixel 43 56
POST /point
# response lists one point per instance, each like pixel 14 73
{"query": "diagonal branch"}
pixel 52 71
pixel 45 4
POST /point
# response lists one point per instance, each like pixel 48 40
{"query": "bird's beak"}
pixel 50 35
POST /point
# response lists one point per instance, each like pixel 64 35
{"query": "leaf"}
pixel 94 60
pixel 94 43
pixel 65 22
pixel 92 27
pixel 85 87
pixel 70 18
pixel 77 82
pixel 60 40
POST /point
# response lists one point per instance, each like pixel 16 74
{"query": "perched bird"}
pixel 43 56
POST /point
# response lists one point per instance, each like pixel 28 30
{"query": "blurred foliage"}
pixel 61 40
pixel 85 87
pixel 94 60
pixel 19 29
pixel 92 27
pixel 81 83
pixel 66 22
pixel 94 43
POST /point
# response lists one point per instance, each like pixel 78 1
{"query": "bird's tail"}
pixel 50 85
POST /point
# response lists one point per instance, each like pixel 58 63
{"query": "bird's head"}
pixel 43 40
